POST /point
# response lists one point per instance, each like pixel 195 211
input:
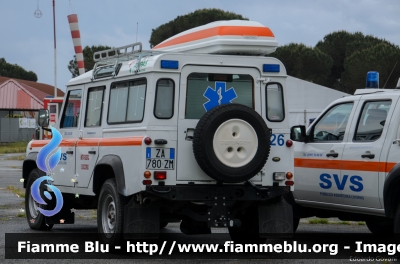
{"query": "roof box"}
pixel 223 37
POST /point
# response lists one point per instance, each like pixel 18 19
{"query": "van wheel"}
pixel 381 227
pixel 231 143
pixel 110 214
pixel 248 231
pixel 35 219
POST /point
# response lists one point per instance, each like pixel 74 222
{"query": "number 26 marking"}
pixel 280 139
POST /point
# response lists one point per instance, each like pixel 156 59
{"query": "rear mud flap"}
pixel 141 221
pixel 275 219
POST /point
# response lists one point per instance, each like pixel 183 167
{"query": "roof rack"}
pixel 108 61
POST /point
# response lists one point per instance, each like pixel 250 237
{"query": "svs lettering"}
pixel 355 182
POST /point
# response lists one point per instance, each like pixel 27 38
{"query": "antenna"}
pixel 137 29
pixel 37 13
pixel 390 74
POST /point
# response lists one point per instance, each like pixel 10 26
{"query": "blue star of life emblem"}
pixel 218 96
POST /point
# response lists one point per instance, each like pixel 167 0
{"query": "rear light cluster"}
pixel 289 176
pixel 158 175
pixel 281 176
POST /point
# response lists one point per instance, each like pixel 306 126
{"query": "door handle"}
pixel 92 152
pixel 368 155
pixel 69 152
pixel 332 154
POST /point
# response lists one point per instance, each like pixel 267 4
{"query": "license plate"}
pixel 160 158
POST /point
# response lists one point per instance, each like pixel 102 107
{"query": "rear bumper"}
pixel 246 192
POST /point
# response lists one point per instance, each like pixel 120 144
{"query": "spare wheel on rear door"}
pixel 231 143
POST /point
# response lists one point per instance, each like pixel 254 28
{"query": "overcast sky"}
pixel 28 41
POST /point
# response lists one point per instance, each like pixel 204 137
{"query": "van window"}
pixel 72 109
pixel 164 104
pixel 94 107
pixel 372 120
pixel 332 125
pixel 127 102
pixel 274 99
pixel 207 90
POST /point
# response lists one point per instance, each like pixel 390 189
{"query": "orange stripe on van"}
pixel 88 142
pixel 344 165
pixel 64 143
pixel 128 141
pixel 219 31
pixel 317 163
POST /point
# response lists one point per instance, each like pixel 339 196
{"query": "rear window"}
pixel 127 102
pixel 208 90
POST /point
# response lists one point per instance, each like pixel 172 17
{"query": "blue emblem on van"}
pixel 47 159
pixel 218 96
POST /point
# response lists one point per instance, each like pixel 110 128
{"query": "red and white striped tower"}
pixel 76 39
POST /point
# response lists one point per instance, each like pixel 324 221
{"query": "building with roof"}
pixel 21 100
pixel 21 97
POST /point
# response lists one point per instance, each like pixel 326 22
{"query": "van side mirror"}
pixel 43 118
pixel 298 133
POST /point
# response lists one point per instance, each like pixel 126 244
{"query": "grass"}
pixel 16 147
pixel 21 214
pixel 344 223
pixel 17 191
pixel 361 223
pixel 316 221
pixel 22 157
pixel 93 214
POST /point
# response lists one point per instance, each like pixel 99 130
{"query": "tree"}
pixel 16 71
pixel 381 58
pixel 197 18
pixel 87 58
pixel 340 45
pixel 304 62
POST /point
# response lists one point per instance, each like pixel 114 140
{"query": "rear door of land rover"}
pixel 201 89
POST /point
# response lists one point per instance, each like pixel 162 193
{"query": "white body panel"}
pixel 359 189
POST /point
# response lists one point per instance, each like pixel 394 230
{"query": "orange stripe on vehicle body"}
pixel 89 142
pixel 317 164
pixel 219 31
pixel 128 141
pixel 64 143
pixel 344 165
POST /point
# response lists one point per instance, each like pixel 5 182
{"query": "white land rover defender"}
pixel 347 163
pixel 151 137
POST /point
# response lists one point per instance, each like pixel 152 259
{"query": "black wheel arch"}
pixel 109 166
pixel 391 189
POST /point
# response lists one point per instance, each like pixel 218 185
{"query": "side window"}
pixel 275 109
pixel 94 107
pixel 208 90
pixel 127 102
pixel 164 104
pixel 372 120
pixel 332 125
pixel 72 109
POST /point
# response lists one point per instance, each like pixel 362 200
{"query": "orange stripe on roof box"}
pixel 88 142
pixel 218 31
pixel 317 164
pixel 131 141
